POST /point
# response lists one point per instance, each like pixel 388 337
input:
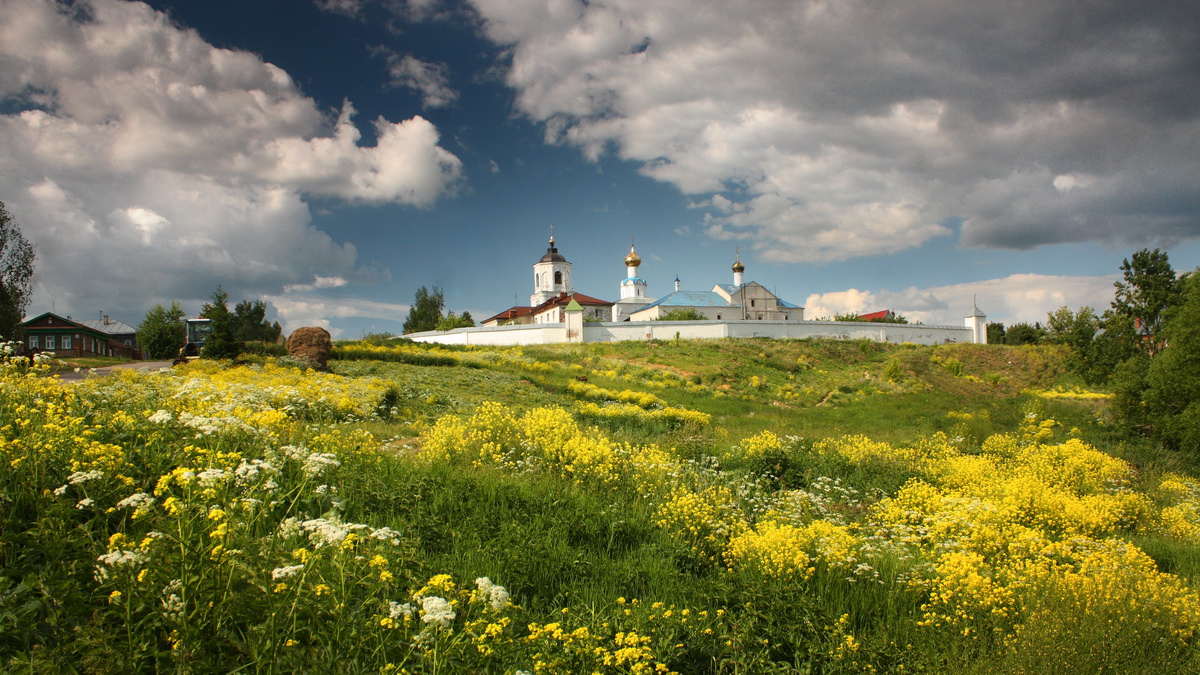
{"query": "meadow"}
pixel 748 506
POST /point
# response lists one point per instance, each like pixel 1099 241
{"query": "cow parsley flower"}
pixel 285 572
pixel 495 596
pixel 436 611
pixel 397 610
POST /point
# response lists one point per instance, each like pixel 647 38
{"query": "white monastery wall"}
pixel 700 330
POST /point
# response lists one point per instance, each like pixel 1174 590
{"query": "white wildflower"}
pixel 285 572
pixel 136 500
pixel 316 463
pixel 211 477
pixel 397 610
pixel 437 611
pixel 387 534
pixel 161 417
pixel 84 476
pixel 114 559
pixel 496 596
pixel 249 470
pixel 84 503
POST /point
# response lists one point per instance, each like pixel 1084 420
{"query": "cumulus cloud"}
pixel 431 80
pixel 298 309
pixel 835 130
pixel 138 157
pixel 1013 299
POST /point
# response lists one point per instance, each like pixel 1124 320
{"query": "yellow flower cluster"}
pixel 550 436
pixel 781 550
pixel 1072 393
pixel 762 444
pixel 639 398
pixel 672 416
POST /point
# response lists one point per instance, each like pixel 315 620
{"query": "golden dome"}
pixel 632 260
pixel 738 266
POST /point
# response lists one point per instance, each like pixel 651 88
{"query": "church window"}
pixel 558 279
pixel 752 303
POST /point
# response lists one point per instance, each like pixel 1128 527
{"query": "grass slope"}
pixel 732 506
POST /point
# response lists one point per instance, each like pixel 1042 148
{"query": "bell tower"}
pixel 551 275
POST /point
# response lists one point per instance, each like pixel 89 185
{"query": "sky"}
pixel 333 156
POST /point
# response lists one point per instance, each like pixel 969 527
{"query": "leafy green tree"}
pixel 995 333
pixel 426 311
pixel 1115 341
pixel 1075 330
pixel 684 314
pixel 16 273
pixel 1149 288
pixel 251 325
pixel 222 342
pixel 1023 334
pixel 161 332
pixel 451 321
pixel 1171 397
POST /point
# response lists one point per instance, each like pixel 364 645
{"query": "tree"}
pixel 161 332
pixel 451 321
pixel 684 314
pixel 1150 287
pixel 1171 397
pixel 1075 330
pixel 426 311
pixel 1023 334
pixel 250 323
pixel 995 333
pixel 222 342
pixel 16 273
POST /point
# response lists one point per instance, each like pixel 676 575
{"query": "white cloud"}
pixel 142 159
pixel 431 80
pixel 346 7
pixel 825 131
pixel 298 309
pixel 317 282
pixel 1013 299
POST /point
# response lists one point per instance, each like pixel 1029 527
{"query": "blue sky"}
pixel 331 156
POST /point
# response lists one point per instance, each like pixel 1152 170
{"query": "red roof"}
pixel 881 315
pixel 564 299
pixel 509 314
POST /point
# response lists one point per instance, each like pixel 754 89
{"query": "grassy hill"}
pixel 733 506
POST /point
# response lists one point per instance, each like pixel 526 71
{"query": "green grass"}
pixel 573 552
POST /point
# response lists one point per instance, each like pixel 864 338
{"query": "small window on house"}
pixel 751 303
pixel 35 342
pixel 50 342
pixel 66 342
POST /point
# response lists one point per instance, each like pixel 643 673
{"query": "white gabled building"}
pixel 739 301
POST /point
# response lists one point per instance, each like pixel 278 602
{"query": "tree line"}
pixel 161 333
pixel 1145 347
pixel 426 313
